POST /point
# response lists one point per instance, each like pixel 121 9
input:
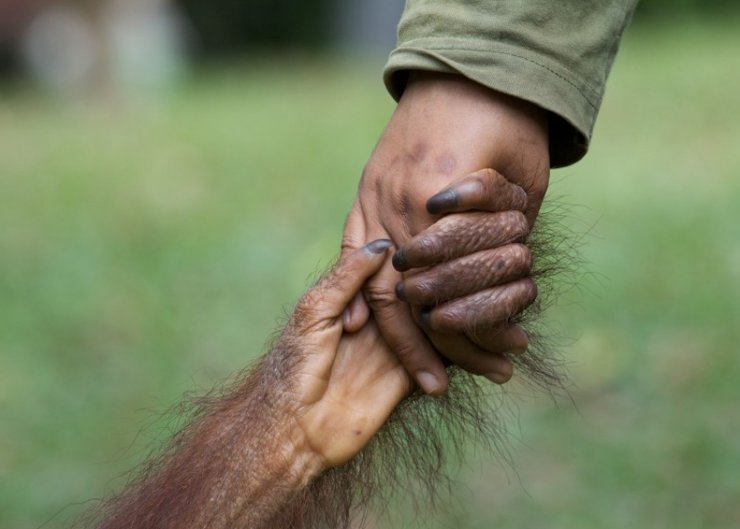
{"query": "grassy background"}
pixel 148 249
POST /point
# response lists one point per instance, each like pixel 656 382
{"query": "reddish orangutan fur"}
pixel 409 455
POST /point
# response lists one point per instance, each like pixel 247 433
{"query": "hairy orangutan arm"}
pixel 321 425
pixel 311 404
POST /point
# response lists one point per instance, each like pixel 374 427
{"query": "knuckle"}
pixel 487 176
pixel 450 320
pixel 480 183
pixel 496 262
pixel 521 256
pixel 521 296
pixel 469 275
pixel 519 198
pixel 426 246
pixel 498 268
pixel 515 224
pixel 519 221
pixel 421 291
pixel 494 307
pixel 349 243
pixel 406 352
pixel 380 297
pixel 450 225
pixel 530 290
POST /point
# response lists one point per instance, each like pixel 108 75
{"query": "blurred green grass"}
pixel 146 250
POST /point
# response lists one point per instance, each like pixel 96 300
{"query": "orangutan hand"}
pixel 345 384
pixel 467 275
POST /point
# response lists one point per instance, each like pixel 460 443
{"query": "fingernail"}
pixel 426 317
pixel 429 383
pixel 442 201
pixel 497 378
pixel 400 261
pixel 346 317
pixel 379 246
pixel 515 352
pixel 400 293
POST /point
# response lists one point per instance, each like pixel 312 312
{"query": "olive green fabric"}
pixel 554 53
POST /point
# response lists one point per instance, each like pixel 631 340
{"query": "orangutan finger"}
pixel 488 308
pixel 460 234
pixel 510 339
pixel 331 295
pixel 466 275
pixel 484 190
pixel 464 353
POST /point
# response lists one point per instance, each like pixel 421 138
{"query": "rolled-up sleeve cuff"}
pixel 573 105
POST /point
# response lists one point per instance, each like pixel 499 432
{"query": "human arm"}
pixel 444 128
pixel 514 86
pixel 556 55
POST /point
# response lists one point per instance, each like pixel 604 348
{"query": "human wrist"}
pixel 446 126
pixel 483 109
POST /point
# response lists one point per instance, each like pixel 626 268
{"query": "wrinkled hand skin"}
pixel 251 451
pixel 445 130
pixel 346 385
pixel 471 274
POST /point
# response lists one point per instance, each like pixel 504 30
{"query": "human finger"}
pixel 488 308
pixel 484 190
pixel 329 298
pixel 460 234
pixel 401 333
pixel 466 275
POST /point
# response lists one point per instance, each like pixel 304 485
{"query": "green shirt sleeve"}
pixel 554 53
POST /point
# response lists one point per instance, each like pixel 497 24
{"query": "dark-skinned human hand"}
pixel 444 127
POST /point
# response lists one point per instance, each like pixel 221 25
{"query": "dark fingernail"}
pixel 400 291
pixel 379 246
pixel 426 317
pixel 400 261
pixel 442 201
